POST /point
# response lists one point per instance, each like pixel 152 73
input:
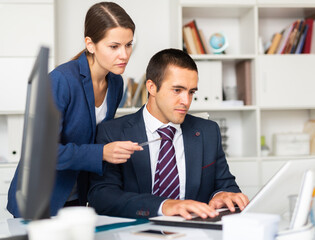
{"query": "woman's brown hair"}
pixel 102 17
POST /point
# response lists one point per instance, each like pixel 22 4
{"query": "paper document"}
pixel 106 220
pixel 190 233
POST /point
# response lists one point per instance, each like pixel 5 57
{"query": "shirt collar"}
pixel 152 123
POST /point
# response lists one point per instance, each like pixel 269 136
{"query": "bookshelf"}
pixel 281 85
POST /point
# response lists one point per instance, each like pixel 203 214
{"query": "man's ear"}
pixel 89 45
pixel 151 87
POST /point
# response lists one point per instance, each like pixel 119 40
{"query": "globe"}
pixel 218 43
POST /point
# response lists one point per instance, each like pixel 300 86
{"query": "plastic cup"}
pixel 48 229
pixel 80 222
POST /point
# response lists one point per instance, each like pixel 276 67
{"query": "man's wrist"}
pixel 160 212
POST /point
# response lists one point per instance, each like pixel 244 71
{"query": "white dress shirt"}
pixel 100 112
pixel 151 125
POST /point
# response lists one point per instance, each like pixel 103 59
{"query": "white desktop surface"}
pixel 11 227
pixel 127 233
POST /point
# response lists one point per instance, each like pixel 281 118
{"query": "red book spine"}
pixel 308 39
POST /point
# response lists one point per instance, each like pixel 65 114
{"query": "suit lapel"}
pixel 193 158
pixel 140 159
pixel 88 89
pixel 89 94
pixel 111 100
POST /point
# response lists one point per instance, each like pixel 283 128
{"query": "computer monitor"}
pixel 36 174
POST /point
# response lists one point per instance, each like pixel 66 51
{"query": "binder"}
pixel 209 85
pixel 244 82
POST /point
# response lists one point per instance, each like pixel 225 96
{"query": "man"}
pixel 185 172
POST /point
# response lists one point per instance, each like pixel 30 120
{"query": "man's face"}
pixel 171 103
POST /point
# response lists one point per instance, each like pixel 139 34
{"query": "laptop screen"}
pixel 274 196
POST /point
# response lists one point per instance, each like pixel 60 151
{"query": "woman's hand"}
pixel 119 152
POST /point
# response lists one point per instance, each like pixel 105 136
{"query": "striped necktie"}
pixel 166 179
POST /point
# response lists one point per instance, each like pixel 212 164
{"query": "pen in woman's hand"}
pixel 148 142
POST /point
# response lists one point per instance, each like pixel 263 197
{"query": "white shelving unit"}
pixel 282 85
pixel 25 25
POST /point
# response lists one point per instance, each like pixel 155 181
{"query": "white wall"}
pixel 152 19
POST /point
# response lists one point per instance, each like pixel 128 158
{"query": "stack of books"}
pixel 194 39
pixel 135 93
pixel 296 38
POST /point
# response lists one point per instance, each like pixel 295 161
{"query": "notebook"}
pixel 273 197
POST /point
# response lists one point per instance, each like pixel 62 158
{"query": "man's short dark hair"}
pixel 160 62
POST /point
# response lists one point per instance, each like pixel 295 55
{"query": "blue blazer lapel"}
pixel 111 106
pixel 193 158
pixel 140 159
pixel 88 89
pixel 112 99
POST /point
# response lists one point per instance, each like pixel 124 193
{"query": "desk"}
pixel 11 227
pixel 190 233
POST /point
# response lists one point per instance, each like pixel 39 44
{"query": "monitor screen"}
pixel 36 174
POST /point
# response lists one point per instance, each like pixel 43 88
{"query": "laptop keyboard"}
pixel 217 218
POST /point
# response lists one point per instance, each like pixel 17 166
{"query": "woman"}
pixel 87 90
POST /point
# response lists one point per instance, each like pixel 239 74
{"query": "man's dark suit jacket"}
pixel 124 190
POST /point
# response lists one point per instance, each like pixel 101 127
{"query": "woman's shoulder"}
pixel 66 73
pixel 74 67
pixel 71 67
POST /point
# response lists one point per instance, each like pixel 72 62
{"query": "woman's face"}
pixel 112 53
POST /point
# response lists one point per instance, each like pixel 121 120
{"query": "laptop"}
pixel 273 198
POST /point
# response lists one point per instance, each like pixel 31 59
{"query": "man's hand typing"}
pixel 229 199
pixel 184 208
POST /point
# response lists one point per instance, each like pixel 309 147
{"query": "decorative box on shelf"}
pixel 285 144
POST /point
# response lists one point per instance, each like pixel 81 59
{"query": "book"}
pixel 300 45
pixel 137 94
pixel 129 92
pixel 203 50
pixel 298 36
pixel 275 43
pixel 266 46
pixel 244 82
pixel 290 40
pixel 123 99
pixel 197 40
pixel 308 38
pixel 144 95
pixel 124 96
pixel 285 36
pixel 188 39
pixel 204 42
pixel 313 41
